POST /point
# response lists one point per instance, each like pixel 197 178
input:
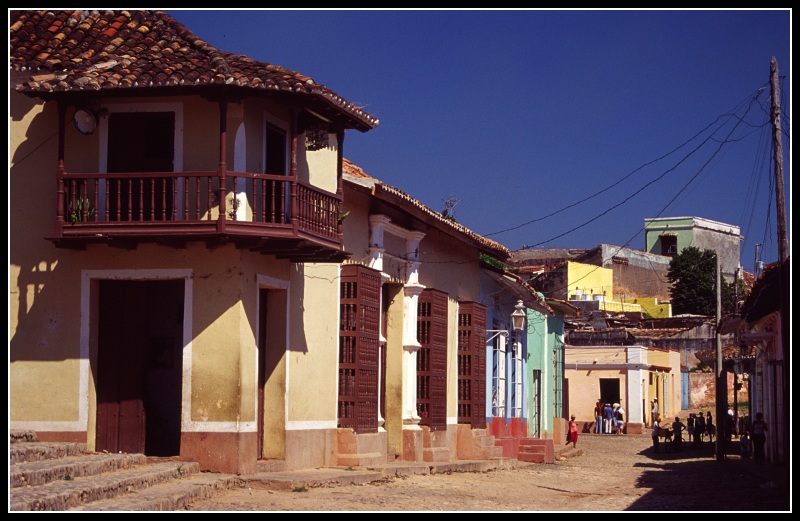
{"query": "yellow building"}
pixel 174 244
pixel 631 375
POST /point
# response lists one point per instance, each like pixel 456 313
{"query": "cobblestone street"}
pixel 614 473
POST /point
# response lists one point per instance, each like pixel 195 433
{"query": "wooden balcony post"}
pixel 62 116
pixel 339 189
pixel 293 175
pixel 222 168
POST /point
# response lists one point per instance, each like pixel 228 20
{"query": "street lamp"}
pixel 517 322
pixel 518 316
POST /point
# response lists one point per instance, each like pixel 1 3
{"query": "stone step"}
pixel 71 493
pixel 537 450
pixel 40 472
pixel 436 454
pixel 169 496
pixel 37 451
pixel 360 460
pixel 18 435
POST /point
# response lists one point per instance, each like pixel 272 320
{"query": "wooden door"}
pixel 121 363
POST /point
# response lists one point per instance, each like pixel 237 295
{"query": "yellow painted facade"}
pixel 54 302
pixel 652 307
pixel 629 375
pixel 587 282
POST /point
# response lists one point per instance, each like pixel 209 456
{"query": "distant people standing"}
pixel 656 429
pixel 677 434
pixel 699 430
pixel 690 428
pixel 759 438
pixel 572 432
pixel 727 429
pixel 654 411
pixel 710 429
pixel 620 420
pixel 608 418
pixel 730 426
pixel 744 444
pixel 598 417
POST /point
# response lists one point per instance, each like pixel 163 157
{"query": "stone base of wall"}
pixel 226 452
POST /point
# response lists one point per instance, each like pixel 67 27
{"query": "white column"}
pixel 410 348
pixel 410 345
pixel 377 226
pixel 382 348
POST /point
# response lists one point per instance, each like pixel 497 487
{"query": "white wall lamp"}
pixel 518 316
pixel 85 121
pixel 517 322
pixel 87 115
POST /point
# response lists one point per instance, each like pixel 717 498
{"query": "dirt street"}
pixel 615 473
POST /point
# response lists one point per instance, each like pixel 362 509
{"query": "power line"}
pixel 720 121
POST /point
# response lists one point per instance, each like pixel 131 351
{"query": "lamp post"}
pixel 518 316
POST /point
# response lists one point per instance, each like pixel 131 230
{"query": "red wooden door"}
pixel 121 362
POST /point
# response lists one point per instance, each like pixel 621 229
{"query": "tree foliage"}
pixel 692 275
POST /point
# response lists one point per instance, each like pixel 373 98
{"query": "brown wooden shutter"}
pixel 432 359
pixel 472 364
pixel 359 307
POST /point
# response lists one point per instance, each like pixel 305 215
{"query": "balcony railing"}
pixel 177 205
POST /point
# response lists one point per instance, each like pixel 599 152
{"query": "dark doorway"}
pixel 609 390
pixel 139 366
pixel 140 142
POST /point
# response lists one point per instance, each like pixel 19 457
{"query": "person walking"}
pixel 572 432
pixel 759 438
pixel 655 434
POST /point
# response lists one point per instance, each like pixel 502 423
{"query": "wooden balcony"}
pixel 271 214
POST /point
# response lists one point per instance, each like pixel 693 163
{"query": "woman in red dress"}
pixel 572 433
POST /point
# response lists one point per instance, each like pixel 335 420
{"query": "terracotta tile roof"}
pixel 355 172
pixel 74 51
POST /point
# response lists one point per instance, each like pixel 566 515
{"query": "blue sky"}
pixel 550 128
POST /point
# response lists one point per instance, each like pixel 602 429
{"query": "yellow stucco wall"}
pixel 643 374
pixel 590 280
pixel 584 384
pixel 50 377
pixel 653 307
pixel 316 165
pixel 313 343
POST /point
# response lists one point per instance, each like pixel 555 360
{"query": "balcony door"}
pixel 141 142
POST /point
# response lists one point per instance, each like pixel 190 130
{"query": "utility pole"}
pixel 755 262
pixel 783 241
pixel 721 387
pixel 777 147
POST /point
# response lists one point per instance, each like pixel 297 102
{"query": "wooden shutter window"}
pixel 359 311
pixel 432 359
pixel 472 364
